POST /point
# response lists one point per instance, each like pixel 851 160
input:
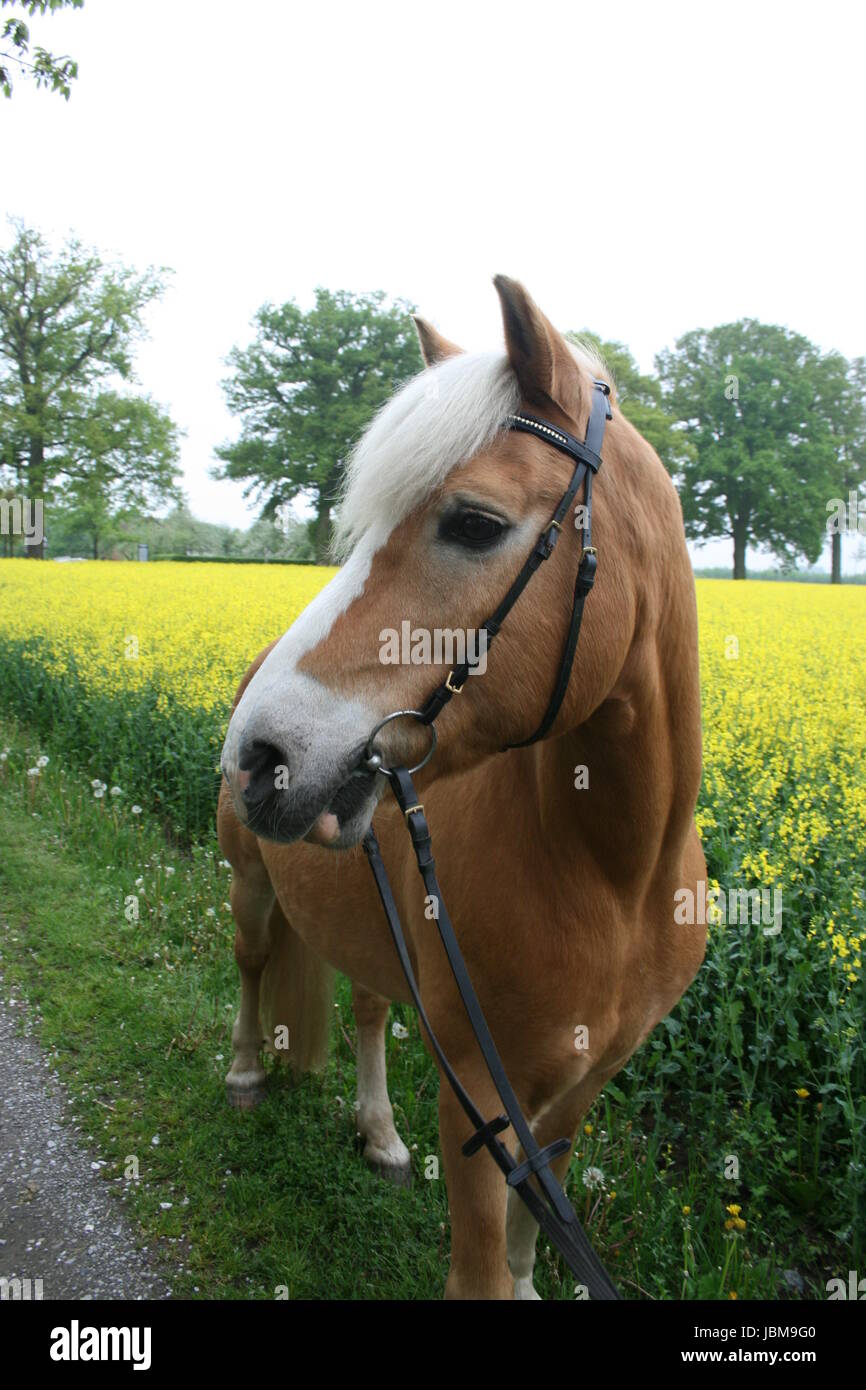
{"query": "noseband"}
pixel 548 1204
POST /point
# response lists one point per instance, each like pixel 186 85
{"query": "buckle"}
pixel 455 689
pixel 587 567
pixel 419 806
pixel 547 540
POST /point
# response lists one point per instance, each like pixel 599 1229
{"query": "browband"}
pixel 552 434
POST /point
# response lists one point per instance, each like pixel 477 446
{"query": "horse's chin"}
pixel 332 832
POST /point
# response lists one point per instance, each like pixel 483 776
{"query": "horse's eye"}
pixel 474 529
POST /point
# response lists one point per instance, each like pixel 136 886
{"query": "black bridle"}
pixel 550 1207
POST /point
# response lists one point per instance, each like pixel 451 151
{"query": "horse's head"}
pixel 442 505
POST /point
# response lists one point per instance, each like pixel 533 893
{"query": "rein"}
pixel 550 1207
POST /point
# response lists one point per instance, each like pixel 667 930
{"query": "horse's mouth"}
pixel 336 814
pixel 345 817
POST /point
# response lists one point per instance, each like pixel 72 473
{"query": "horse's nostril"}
pixel 266 767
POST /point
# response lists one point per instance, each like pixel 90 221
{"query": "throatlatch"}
pixel 550 1207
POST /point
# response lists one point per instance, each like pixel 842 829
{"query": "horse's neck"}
pixel 622 784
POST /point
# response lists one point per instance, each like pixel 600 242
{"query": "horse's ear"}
pixel 434 348
pixel 544 365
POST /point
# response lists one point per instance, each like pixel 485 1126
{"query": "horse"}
pixel 560 861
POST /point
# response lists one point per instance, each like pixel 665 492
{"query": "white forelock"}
pixel 438 420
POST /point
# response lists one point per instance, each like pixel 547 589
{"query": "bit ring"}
pixel 370 758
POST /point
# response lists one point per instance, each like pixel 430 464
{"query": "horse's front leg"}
pixel 476 1193
pixel 384 1150
pixel 560 1121
pixel 253 905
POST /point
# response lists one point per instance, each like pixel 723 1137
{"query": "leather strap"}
pixel 551 1209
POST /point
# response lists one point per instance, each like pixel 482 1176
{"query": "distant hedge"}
pixel 796 577
pixel 230 560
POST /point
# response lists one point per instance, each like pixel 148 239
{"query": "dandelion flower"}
pixel 592 1178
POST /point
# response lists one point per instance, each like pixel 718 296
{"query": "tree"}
pixel 68 325
pixel 305 388
pixel 43 67
pixel 641 401
pixel 752 400
pixel 289 540
pixel 845 405
pixel 121 464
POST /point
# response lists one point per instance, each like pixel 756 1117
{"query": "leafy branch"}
pixel 44 68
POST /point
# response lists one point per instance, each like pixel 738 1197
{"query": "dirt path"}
pixel 59 1222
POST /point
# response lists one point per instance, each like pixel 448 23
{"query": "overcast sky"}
pixel 643 168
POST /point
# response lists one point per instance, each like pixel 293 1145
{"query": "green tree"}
pixel 641 400
pixel 121 464
pixel 752 399
pixel 270 539
pixel 44 68
pixel 178 533
pixel 845 405
pixel 305 388
pixel 68 326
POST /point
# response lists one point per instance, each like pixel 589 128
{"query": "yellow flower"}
pixel 587 1129
pixel 686 1211
pixel 802 1092
pixel 734 1209
pixel 732 1293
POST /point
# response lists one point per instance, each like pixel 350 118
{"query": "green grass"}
pixel 136 1016
pixel 165 755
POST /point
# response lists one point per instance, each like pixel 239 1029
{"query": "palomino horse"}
pixel 560 861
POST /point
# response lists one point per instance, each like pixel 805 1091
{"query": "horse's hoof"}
pixel 245 1092
pixel 397 1172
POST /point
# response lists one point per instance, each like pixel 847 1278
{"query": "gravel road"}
pixel 59 1221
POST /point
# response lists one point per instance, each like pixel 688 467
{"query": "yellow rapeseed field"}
pixel 191 628
pixel 783 670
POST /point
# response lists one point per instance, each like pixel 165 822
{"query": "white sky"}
pixel 643 168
